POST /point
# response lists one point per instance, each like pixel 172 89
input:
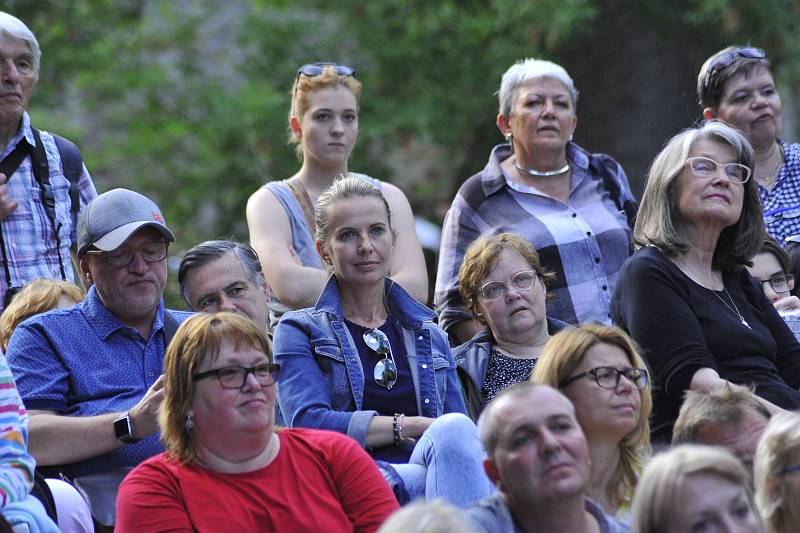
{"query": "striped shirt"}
pixel 583 242
pixel 781 205
pixel 16 465
pixel 28 232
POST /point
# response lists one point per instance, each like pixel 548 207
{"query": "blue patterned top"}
pixel 781 205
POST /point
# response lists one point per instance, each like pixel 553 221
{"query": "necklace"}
pixel 541 173
pixel 736 312
pixel 768 179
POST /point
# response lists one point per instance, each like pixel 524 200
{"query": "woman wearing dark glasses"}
pixel 600 370
pixel 503 285
pixel 323 123
pixel 574 207
pixel 736 85
pixel 368 361
pixel 685 296
pixel 226 468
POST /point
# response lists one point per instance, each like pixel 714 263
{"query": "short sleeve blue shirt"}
pixel 83 361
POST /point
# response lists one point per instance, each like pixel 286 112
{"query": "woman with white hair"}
pixel 574 207
pixel 777 473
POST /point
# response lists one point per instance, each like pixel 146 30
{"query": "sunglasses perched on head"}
pixel 312 70
pixel 726 59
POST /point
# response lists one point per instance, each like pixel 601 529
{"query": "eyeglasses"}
pixel 790 469
pixel 312 70
pixel 780 283
pixel 705 167
pixel 725 60
pixel 235 377
pixel 385 371
pixel 607 377
pixel 154 252
pixel 522 281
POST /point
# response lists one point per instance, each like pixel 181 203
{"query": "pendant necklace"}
pixel 736 312
pixel 767 180
pixel 541 173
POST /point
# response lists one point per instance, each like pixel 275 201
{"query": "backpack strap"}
pixel 72 164
pixel 170 327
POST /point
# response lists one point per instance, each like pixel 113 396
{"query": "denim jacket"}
pixel 321 383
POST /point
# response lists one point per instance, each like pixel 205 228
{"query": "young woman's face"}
pixel 360 244
pixel 708 503
pixel 329 127
pixel 767 269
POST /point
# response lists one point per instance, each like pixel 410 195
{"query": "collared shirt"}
pixel 781 205
pixel 583 242
pixel 83 361
pixel 322 379
pixel 16 464
pixel 28 232
pixel 493 516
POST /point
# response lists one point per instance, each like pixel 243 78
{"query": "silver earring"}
pixel 570 137
pixel 189 424
pixel 509 137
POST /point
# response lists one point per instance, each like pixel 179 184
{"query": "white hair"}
pixel 16 29
pixel 529 69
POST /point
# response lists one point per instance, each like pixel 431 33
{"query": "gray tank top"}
pixel 302 239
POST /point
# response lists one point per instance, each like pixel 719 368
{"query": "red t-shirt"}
pixel 320 481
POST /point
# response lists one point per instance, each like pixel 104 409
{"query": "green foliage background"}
pixel 187 101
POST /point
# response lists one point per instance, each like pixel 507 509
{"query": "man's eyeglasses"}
pixel 607 377
pixel 726 59
pixel 705 167
pixel 522 281
pixel 235 377
pixel 385 371
pixel 780 283
pixel 312 70
pixel 154 252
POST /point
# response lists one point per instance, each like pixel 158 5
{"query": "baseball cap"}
pixel 113 217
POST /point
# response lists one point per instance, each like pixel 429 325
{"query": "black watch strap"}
pixel 123 429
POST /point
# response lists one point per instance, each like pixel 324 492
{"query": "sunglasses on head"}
pixel 726 59
pixel 316 69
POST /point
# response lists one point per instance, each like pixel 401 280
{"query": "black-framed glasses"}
pixel 780 283
pixel 705 167
pixel 522 281
pixel 385 371
pixel 153 252
pixel 235 377
pixel 607 377
pixel 726 59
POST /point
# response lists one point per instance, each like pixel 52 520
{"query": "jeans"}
pixel 447 462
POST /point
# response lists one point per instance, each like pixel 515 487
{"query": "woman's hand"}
pixel 787 303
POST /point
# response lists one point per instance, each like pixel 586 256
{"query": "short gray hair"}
pixel 529 69
pixel 209 251
pixel 14 27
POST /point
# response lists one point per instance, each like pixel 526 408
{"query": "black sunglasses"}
pixel 385 371
pixel 725 60
pixel 312 70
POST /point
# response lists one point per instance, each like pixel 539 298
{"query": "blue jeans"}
pixel 447 462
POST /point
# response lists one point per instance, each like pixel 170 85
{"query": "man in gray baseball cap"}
pixel 90 375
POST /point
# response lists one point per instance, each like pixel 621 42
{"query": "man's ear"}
pixel 709 113
pixel 86 273
pixel 491 472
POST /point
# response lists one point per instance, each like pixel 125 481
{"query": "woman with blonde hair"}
pixel 695 488
pixel 323 123
pixel 226 466
pixel 36 297
pixel 600 370
pixel 777 473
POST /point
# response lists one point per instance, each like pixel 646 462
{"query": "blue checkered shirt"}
pixel 583 242
pixel 28 232
pixel 781 205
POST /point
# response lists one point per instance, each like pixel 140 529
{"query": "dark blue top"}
pixel 401 397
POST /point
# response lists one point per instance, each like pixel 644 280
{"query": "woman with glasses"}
pixel 503 285
pixel 226 468
pixel 736 85
pixel 685 296
pixel 772 267
pixel 599 369
pixel 574 207
pixel 323 123
pixel 777 474
pixel 368 361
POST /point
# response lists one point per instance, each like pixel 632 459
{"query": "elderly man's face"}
pixel 133 292
pixel 224 285
pixel 17 78
pixel 541 454
pixel 741 440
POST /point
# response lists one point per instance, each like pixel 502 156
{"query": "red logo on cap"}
pixel 157 216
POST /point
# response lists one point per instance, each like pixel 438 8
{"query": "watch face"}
pixel 122 428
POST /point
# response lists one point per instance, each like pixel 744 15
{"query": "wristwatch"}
pixel 123 429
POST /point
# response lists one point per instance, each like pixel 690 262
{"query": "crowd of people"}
pixel 574 333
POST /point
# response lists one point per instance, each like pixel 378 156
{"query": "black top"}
pixel 682 327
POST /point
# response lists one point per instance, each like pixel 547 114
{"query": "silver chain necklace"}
pixel 736 312
pixel 541 173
